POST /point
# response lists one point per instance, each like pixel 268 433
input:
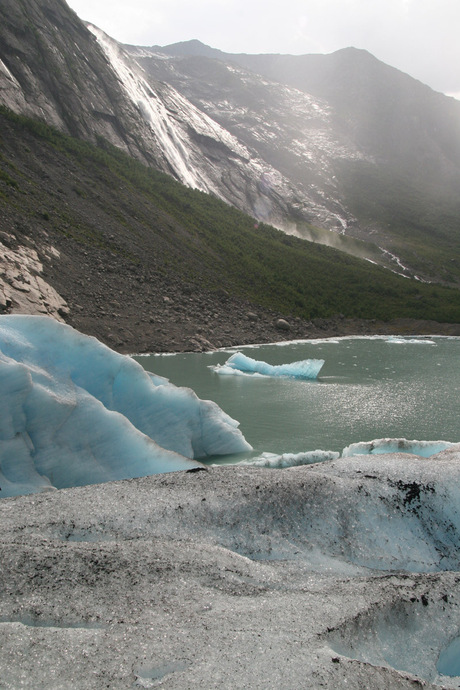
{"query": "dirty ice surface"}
pixel 342 574
pixel 74 412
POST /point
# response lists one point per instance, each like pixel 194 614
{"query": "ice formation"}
pixel 424 449
pixel 290 459
pixel 240 364
pixel 346 571
pixel 74 412
pixel 381 446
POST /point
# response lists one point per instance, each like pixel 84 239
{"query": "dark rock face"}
pixel 203 152
pixel 291 131
pixel 52 68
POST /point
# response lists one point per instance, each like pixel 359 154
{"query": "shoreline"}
pixel 288 341
pixel 238 327
pixel 317 329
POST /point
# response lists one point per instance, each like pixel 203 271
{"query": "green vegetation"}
pixel 203 240
pixel 424 226
pixel 5 177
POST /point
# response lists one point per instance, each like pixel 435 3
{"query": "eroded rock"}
pixel 22 287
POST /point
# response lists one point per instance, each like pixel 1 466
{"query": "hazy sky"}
pixel 420 37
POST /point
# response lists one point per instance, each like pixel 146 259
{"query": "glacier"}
pixel 345 568
pixel 240 365
pixel 74 412
pixel 379 446
pixel 346 571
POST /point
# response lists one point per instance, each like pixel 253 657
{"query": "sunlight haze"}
pixel 419 37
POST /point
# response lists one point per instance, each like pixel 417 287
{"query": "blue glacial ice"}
pixel 74 412
pixel 239 364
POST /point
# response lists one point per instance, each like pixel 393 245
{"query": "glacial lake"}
pixel 368 388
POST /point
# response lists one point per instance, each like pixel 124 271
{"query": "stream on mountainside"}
pixel 368 388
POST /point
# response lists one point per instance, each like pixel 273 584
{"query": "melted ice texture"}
pixel 74 412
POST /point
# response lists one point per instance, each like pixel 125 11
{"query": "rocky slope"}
pixel 82 242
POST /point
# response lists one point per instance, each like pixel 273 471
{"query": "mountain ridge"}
pixel 273 151
pixel 398 127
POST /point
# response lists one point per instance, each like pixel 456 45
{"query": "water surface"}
pixel 368 388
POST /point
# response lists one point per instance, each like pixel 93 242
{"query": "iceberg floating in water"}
pixel 74 412
pixel 380 446
pixel 240 364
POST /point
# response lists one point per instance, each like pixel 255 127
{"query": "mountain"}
pixel 308 143
pixel 380 149
pixel 83 82
pixel 98 229
pixel 126 253
pixel 50 68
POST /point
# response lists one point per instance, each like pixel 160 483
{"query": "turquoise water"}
pixel 368 388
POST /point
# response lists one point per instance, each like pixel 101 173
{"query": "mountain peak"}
pixel 190 48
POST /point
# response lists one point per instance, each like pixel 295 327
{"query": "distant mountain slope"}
pixel 381 148
pixel 386 113
pixel 288 129
pixel 390 116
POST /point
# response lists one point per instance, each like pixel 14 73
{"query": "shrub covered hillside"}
pixel 110 216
